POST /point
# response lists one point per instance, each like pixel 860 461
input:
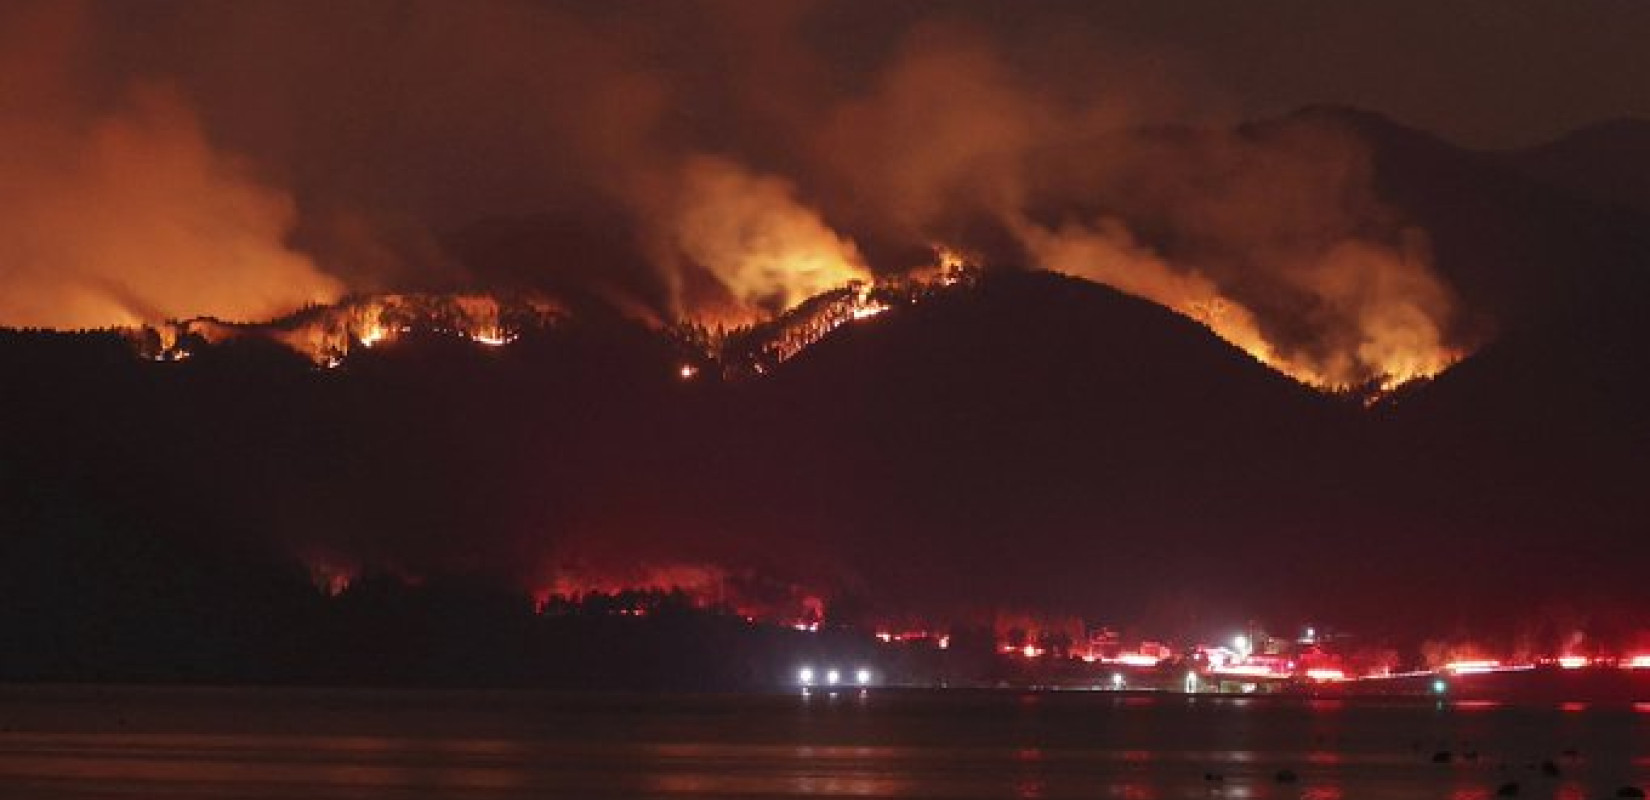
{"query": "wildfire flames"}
pixel 769 252
pixel 1292 259
pixel 705 586
pixel 759 348
pixel 633 589
pixel 1397 340
pixel 327 335
pixel 838 308
pixel 127 205
pixel 330 574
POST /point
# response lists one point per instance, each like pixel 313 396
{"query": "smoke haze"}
pixel 124 212
pixel 247 159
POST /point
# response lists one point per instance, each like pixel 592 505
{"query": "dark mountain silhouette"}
pixel 1515 248
pixel 1524 454
pixel 1560 272
pixel 1608 163
pixel 1035 439
pixel 1022 441
pixel 1070 417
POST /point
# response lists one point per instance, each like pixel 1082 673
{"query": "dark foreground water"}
pixel 174 743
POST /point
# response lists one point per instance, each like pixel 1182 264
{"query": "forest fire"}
pixel 1277 241
pixel 760 348
pixel 567 368
pixel 327 335
pixel 632 591
pixel 1388 310
pixel 853 303
pixel 1252 662
pixel 331 575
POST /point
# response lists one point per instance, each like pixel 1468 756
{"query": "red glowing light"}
pixel 1572 662
pixel 1251 670
pixel 1326 674
pixel 1641 661
pixel 1477 705
pixel 1472 666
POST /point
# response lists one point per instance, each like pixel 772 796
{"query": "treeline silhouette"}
pixel 85 601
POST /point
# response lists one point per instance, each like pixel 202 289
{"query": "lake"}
pixel 93 742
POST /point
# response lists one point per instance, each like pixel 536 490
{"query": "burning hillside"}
pixel 327 335
pixel 157 194
pixel 761 347
pixel 991 438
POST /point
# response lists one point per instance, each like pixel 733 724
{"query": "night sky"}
pixel 321 150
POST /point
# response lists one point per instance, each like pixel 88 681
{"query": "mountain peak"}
pixel 1630 131
pixel 1607 162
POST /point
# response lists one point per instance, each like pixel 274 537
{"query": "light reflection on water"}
pixel 116 743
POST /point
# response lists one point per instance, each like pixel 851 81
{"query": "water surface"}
pixel 261 743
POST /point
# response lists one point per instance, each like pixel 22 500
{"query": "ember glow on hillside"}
pixel 326 335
